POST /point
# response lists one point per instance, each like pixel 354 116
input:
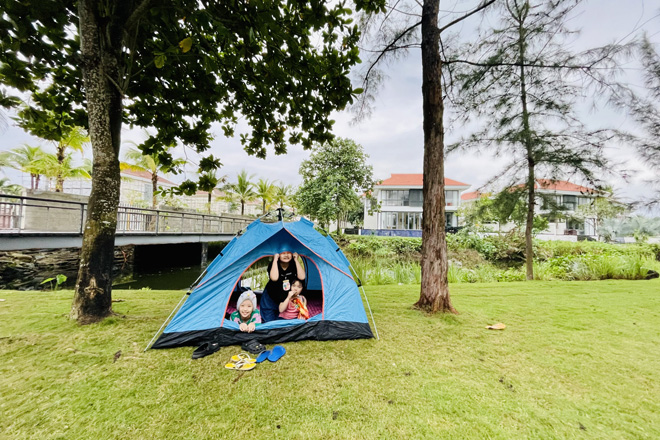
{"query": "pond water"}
pixel 179 278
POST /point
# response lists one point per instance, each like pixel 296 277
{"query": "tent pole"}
pixel 188 292
pixel 366 299
pixel 165 323
pixel 370 312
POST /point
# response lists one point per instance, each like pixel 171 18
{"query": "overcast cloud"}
pixel 393 136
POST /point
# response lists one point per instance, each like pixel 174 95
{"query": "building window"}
pixel 449 219
pixel 402 220
pixel 451 198
pixel 570 203
pixel 416 198
pixel 575 225
pixel 395 198
pixel 584 201
pixel 146 192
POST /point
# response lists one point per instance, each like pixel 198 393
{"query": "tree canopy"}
pixel 522 91
pixel 178 67
pixel 334 177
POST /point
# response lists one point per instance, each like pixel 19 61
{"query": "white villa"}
pixel 400 198
pixel 568 195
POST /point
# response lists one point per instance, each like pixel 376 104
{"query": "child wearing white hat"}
pixel 246 315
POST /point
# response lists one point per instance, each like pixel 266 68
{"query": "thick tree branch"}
pixel 484 5
pixel 136 15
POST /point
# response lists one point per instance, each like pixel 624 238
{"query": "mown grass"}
pixel 577 360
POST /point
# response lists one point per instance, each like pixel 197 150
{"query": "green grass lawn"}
pixel 577 360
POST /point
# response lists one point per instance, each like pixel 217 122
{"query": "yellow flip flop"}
pixel 240 365
pixel 247 366
pixel 242 362
pixel 242 357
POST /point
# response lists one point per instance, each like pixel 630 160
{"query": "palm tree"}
pixel 241 191
pixel 642 227
pixel 137 161
pixel 61 169
pixel 265 191
pixel 210 181
pixel 26 159
pixel 75 140
pixel 9 188
pixel 284 195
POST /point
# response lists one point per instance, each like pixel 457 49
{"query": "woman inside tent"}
pixel 282 271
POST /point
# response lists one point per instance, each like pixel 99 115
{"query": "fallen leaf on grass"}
pixel 498 326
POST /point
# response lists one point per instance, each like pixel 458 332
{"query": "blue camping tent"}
pixel 332 293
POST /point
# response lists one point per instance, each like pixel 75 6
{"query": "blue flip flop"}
pixel 263 356
pixel 276 353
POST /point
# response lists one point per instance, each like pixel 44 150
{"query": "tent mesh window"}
pixel 256 277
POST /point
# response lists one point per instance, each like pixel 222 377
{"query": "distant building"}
pixel 567 195
pixel 401 205
pixel 199 202
pixel 137 188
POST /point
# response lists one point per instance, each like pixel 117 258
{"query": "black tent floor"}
pixel 318 331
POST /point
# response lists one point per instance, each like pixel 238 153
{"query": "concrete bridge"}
pixel 54 222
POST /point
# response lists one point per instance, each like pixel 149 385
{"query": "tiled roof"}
pixel 561 185
pixel 146 175
pixel 470 195
pixel 414 180
pixel 543 184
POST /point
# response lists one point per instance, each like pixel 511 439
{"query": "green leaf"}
pixel 185 45
pixel 159 61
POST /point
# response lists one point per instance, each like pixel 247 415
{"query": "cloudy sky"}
pixel 393 136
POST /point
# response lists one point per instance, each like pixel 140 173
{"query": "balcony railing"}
pixel 33 215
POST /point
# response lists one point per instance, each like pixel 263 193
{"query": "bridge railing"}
pixel 25 214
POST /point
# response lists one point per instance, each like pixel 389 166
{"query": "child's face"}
pixel 245 309
pixel 296 288
pixel 285 257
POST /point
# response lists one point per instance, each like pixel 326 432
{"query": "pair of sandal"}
pixel 241 362
pixel 272 355
pixel 245 362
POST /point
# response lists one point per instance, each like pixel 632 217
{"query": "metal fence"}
pixel 23 214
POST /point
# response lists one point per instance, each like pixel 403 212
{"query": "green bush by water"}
pixel 476 259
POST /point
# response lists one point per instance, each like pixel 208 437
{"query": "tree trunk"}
pixel 242 208
pixel 529 146
pixel 529 224
pixel 100 49
pixel 434 294
pixel 59 180
pixel 154 188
